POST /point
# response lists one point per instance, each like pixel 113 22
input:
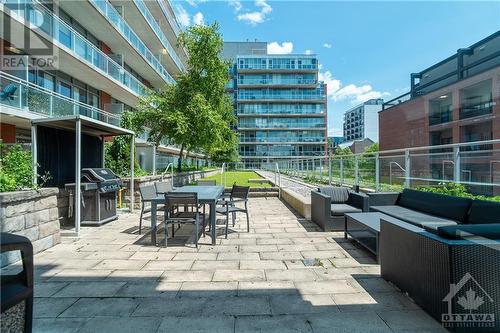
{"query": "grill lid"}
pixel 97 175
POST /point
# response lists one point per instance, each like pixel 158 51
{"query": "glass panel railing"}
pixel 271 81
pixel 68 38
pixel 170 18
pixel 159 33
pixel 109 12
pixel 279 96
pixel 24 95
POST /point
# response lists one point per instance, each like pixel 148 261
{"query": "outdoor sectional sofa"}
pixel 329 204
pixel 442 249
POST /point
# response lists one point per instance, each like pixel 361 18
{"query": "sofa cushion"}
pixel 412 216
pixel 490 231
pixel 341 209
pixel 337 194
pixel 482 212
pixel 453 208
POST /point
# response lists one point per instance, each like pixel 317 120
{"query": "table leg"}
pixel 345 227
pixel 153 223
pixel 212 221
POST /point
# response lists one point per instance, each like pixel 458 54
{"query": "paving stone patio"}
pixel 112 280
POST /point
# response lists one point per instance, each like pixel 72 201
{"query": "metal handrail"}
pixel 171 166
pixel 390 170
pixel 223 170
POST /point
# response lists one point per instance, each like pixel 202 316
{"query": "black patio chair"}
pixel 163 187
pixel 148 193
pixel 238 195
pixel 191 213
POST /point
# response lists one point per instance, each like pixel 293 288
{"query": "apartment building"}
pixel 94 58
pixel 280 105
pixel 453 101
pixel 361 122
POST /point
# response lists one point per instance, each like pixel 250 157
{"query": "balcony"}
pixel 279 97
pixel 279 82
pixel 66 38
pixel 476 110
pixel 155 27
pixel 27 97
pixel 113 17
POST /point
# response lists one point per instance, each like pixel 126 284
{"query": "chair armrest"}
pixel 359 200
pixel 320 208
pixel 11 242
pixel 383 198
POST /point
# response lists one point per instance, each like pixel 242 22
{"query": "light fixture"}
pixel 14 49
pixel 443 96
pixel 164 51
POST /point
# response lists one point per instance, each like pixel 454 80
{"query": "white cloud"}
pixel 308 52
pixel 198 19
pixel 355 94
pixel 277 48
pixel 256 17
pixel 327 45
pixel 183 16
pixel 236 5
pixel 194 3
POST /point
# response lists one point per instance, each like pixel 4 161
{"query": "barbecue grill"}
pixel 99 188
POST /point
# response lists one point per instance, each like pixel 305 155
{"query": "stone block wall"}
pixel 33 214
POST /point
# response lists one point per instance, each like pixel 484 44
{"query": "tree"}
pixel 196 112
pixel 117 152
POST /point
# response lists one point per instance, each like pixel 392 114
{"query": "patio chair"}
pixel 239 194
pixel 173 215
pixel 163 187
pixel 148 193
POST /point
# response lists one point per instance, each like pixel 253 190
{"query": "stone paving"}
pixel 112 280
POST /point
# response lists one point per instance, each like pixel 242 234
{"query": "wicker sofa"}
pixel 329 204
pixel 437 255
pixel 427 265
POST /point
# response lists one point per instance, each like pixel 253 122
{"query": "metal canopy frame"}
pixel 82 124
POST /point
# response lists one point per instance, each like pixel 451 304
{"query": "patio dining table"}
pixel 208 195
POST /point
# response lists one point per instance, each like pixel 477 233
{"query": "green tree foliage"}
pixel 16 169
pixel 117 153
pixel 196 112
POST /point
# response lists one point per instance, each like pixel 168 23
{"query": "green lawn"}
pixel 240 177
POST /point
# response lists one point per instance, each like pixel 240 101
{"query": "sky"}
pixel 365 49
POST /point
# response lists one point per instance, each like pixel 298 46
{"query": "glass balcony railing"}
pixel 66 37
pixel 277 81
pixel 281 97
pixel 282 109
pixel 24 95
pixel 159 33
pixel 112 15
pixel 170 18
pixel 476 109
pixel 281 139
pixel 441 117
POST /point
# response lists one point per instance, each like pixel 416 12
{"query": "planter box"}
pixel 33 214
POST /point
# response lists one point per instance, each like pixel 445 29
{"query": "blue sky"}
pixel 366 49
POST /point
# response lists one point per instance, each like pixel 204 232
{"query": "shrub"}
pixel 457 190
pixel 16 169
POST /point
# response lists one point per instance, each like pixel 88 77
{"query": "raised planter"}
pixel 33 214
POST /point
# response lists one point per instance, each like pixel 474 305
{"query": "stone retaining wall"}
pixel 33 214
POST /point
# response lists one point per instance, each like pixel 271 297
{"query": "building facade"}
pixel 453 101
pixel 361 122
pixel 105 55
pixel 280 105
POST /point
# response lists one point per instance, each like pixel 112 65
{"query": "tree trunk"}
pixel 179 161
